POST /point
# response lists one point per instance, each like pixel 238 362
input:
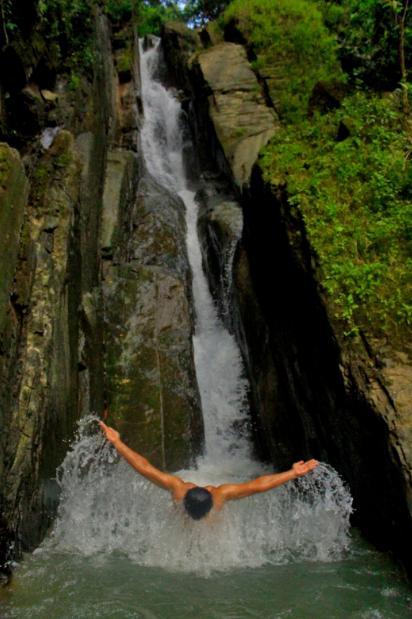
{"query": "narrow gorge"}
pixel 97 309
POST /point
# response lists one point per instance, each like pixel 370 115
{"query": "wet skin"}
pixel 220 494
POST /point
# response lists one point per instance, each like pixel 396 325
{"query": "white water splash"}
pixel 161 135
pixel 107 507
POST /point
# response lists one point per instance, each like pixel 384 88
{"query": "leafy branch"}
pixel 400 13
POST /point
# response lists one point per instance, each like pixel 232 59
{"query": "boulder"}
pixel 149 368
pixel 241 118
pixel 220 229
pixel 229 116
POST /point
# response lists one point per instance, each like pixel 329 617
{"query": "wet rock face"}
pixel 151 383
pixel 243 122
pixel 39 366
pixel 180 43
pixel 220 228
pixel 13 196
pixel 316 394
pixel 390 391
pixel 94 294
pixel 135 348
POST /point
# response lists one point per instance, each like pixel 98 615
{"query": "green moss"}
pixel 124 60
pixel 294 49
pixel 39 182
pixel 63 160
pixel 5 165
pixel 13 195
pixel 355 198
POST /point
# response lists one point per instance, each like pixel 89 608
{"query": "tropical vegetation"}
pixel 347 167
pixel 345 161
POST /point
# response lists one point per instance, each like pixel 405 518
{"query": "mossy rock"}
pixel 243 122
pixel 13 198
pixel 150 375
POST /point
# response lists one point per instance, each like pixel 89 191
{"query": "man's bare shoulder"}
pixel 220 494
pixel 180 487
pixel 229 492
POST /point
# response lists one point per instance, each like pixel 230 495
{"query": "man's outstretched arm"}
pixel 228 492
pixel 138 462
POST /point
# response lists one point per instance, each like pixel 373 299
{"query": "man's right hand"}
pixel 111 435
pixel 302 468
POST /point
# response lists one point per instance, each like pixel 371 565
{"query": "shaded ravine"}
pixel 286 523
pixel 119 546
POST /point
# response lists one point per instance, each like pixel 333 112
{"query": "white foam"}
pixel 107 507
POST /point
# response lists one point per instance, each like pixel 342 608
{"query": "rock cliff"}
pixel 313 391
pixel 95 301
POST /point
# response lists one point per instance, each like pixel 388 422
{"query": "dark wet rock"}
pixel 220 228
pixel 180 44
pixel 317 393
pixel 150 376
pixel 39 362
pixel 13 196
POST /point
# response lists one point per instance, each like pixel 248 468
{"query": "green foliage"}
pixel 199 12
pixel 355 197
pixel 8 25
pixel 67 25
pixel 368 34
pixel 292 46
pixel 120 10
pixel 151 17
pixel 348 170
pixel 148 14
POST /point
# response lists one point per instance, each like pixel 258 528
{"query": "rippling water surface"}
pixel 364 585
pixel 121 548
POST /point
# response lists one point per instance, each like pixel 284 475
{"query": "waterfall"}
pixel 218 362
pixel 106 506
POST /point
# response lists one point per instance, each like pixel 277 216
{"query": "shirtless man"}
pixel 198 501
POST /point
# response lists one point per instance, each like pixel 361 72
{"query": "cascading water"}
pixel 217 357
pixel 106 506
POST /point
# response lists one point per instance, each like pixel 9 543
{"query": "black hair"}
pixel 198 502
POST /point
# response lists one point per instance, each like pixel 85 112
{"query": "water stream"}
pixel 121 548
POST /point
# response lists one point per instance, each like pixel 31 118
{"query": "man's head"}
pixel 198 502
